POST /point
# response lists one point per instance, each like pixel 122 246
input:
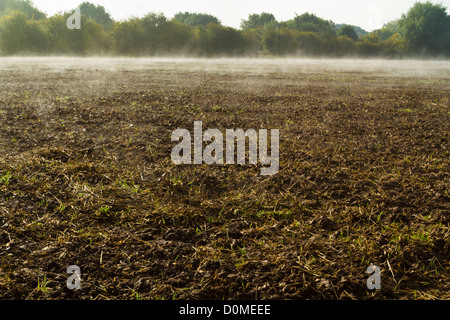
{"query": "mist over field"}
pixel 75 70
pixel 436 68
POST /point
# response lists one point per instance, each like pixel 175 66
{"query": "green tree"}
pixel 129 37
pixel 255 21
pixel 308 43
pixel 388 30
pixel 395 46
pixel 199 44
pixel 252 37
pixel 25 6
pixel 224 40
pixel 99 42
pixel 312 23
pixel 343 46
pixel 279 42
pixel 371 45
pixel 348 31
pixel 19 35
pixel 152 24
pixel 196 19
pixel 427 28
pixel 216 40
pixel 38 37
pixel 96 13
pixel 13 32
pixel 359 31
pixel 64 40
pixel 174 38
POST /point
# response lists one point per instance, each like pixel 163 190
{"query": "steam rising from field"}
pixel 394 67
pixel 101 76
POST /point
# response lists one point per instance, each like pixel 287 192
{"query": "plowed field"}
pixel 86 179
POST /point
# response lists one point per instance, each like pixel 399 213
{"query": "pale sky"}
pixel 367 14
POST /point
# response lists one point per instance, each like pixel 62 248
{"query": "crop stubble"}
pixel 87 180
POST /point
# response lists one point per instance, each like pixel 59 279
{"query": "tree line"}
pixel 423 31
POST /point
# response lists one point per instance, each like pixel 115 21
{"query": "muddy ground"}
pixel 86 179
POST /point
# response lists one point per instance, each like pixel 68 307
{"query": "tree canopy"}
pixel 348 31
pixel 359 31
pixel 25 6
pixel 427 28
pixel 196 19
pixel 24 29
pixel 312 23
pixel 255 21
pixel 96 13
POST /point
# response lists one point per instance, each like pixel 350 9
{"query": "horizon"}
pixel 366 14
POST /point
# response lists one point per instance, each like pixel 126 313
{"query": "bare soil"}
pixel 86 179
